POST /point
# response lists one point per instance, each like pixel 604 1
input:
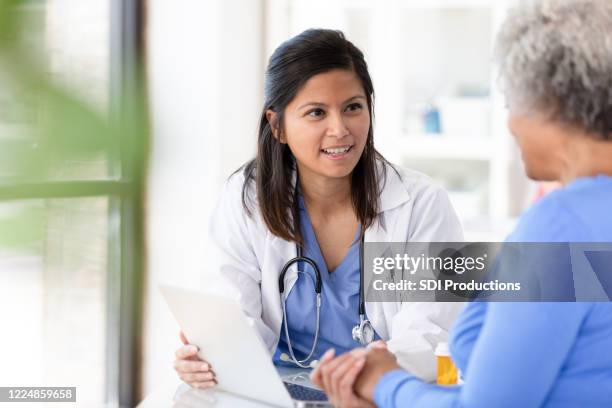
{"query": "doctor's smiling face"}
pixel 326 124
pixel 317 118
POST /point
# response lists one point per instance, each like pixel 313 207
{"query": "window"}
pixel 72 159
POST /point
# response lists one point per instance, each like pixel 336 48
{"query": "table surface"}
pixel 180 395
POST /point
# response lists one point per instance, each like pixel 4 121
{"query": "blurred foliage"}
pixel 58 128
pixel 63 128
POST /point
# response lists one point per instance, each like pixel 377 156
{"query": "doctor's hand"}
pixel 191 368
pixel 337 378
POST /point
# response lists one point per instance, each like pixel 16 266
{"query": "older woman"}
pixel 556 66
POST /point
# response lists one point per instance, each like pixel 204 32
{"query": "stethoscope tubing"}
pixel 318 287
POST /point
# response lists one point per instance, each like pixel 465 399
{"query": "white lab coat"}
pixel 251 257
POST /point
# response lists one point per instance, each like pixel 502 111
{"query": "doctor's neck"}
pixel 325 194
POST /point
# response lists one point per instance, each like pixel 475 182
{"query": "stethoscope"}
pixel 362 333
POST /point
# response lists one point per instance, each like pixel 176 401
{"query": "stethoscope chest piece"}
pixel 363 333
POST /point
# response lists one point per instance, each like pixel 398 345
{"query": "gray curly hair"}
pixel 556 56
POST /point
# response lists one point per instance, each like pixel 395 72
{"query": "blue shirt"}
pixel 339 300
pixel 530 354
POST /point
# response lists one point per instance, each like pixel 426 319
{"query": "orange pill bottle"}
pixel 447 371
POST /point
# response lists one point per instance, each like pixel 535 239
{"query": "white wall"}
pixel 205 66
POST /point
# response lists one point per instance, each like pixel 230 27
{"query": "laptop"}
pixel 240 359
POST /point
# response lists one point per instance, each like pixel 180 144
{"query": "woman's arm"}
pixel 515 362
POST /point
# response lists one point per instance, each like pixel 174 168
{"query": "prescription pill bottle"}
pixel 447 372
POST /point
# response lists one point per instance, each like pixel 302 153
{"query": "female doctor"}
pixel 317 189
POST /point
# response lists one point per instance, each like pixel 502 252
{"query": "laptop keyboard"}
pixel 301 393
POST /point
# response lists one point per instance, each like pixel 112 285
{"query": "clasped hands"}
pixel 349 380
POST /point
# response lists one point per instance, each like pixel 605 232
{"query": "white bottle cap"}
pixel 442 350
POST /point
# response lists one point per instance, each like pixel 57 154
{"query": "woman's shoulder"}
pixel 239 194
pixel 576 212
pixel 240 182
pixel 549 219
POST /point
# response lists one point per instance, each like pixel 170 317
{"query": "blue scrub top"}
pixel 339 300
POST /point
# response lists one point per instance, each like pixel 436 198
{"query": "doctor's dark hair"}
pixel 292 64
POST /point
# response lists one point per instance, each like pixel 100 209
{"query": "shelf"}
pixel 441 147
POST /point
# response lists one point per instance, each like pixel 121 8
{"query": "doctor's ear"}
pixel 272 118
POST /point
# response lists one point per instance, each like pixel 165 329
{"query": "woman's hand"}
pixel 350 379
pixel 337 378
pixel 190 368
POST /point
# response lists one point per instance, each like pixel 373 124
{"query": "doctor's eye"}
pixel 316 113
pixel 354 107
